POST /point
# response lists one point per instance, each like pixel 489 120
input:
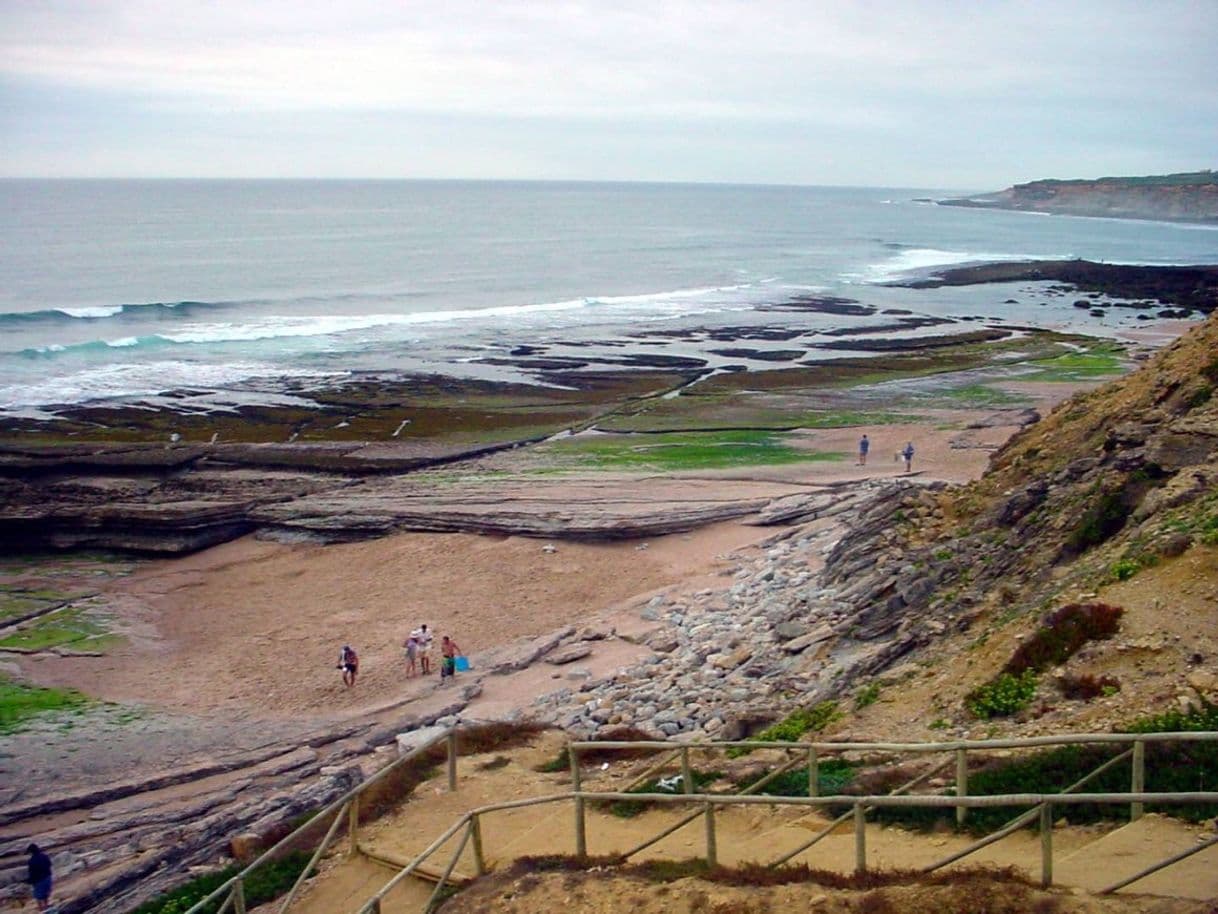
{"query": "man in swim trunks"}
pixel 448 662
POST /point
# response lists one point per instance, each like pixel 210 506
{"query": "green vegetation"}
pixel 1126 568
pixel 73 627
pixel 1179 179
pixel 1097 361
pixel 981 396
pixel 793 727
pixel 264 884
pixel 672 451
pixel 868 695
pixel 1064 631
pixel 1170 768
pixel 19 703
pixel 833 776
pixel 1002 696
pixel 1103 517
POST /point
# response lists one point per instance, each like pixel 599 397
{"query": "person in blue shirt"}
pixel 864 447
pixel 907 452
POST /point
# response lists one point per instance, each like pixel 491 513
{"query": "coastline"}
pixel 587 542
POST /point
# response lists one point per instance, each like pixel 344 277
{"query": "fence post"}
pixel 1138 783
pixel 581 836
pixel 239 897
pixel 712 848
pixel 860 838
pixel 687 775
pixel 353 826
pixel 1046 845
pixel 961 784
pixel 813 773
pixel 452 760
pixel 479 860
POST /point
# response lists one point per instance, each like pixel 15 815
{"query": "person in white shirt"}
pixel 422 638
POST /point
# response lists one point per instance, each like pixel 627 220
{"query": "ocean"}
pixel 240 291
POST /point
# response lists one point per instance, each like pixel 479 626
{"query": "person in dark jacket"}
pixel 39 876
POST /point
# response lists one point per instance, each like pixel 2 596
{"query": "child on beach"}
pixel 449 651
pixel 907 452
pixel 412 651
pixel 348 662
pixel 864 447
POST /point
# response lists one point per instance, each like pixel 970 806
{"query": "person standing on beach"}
pixel 864 447
pixel 348 662
pixel 448 658
pixel 39 876
pixel 412 653
pixel 422 638
pixel 907 452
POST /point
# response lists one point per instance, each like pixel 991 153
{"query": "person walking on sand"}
pixel 422 638
pixel 907 452
pixel 864 447
pixel 39 876
pixel 411 645
pixel 448 658
pixel 348 662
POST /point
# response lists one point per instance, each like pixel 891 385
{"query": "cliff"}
pixel 1186 197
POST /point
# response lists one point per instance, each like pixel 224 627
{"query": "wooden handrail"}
pixel 1186 736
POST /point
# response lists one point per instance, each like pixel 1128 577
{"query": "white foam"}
pixel 123 342
pixel 139 380
pixel 93 312
pixel 919 259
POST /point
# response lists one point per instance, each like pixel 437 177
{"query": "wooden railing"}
pixel 1040 806
pixel 345 807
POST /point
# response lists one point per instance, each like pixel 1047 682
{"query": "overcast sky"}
pixel 975 94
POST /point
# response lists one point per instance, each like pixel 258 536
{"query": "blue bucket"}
pixel 462 664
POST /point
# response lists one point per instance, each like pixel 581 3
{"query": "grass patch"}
pixel 16 603
pixel 19 703
pixel 264 884
pixel 981 396
pixel 71 626
pixel 832 776
pixel 675 451
pixel 793 727
pixel 1002 696
pixel 1170 768
pixel 867 695
pixel 1098 361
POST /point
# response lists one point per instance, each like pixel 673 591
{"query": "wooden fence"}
pixel 1040 807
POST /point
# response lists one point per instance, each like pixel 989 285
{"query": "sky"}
pixel 972 95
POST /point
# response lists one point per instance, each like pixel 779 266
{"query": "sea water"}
pixel 125 290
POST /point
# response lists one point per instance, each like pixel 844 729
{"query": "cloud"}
pixel 874 72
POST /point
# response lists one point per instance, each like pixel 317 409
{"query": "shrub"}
pixel 832 776
pixel 867 695
pixel 1002 696
pixel 1105 516
pixel 1087 687
pixel 264 884
pixel 1063 632
pixel 792 727
pixel 1124 569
